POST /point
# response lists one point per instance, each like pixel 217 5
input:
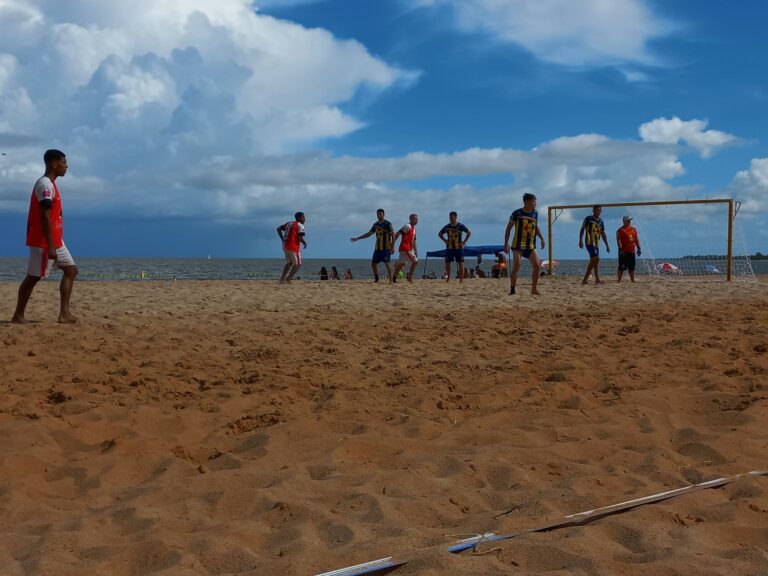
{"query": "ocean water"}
pixel 129 269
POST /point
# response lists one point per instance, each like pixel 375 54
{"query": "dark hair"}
pixel 298 215
pixel 452 214
pixel 528 196
pixel 380 210
pixel 597 207
pixel 413 216
pixel 52 155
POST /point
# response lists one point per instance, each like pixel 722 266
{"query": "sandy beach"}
pixel 248 428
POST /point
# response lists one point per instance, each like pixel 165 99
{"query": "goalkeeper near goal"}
pixel 628 243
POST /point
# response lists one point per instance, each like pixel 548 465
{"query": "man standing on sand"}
pixel 45 240
pixel 454 244
pixel 592 229
pixel 525 222
pixel 628 242
pixel 385 242
pixel 408 253
pixel 292 236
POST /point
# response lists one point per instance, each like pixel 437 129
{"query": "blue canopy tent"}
pixel 468 251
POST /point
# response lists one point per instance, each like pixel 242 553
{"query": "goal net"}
pixel 699 239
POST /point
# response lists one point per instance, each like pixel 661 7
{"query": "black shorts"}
pixel 627 261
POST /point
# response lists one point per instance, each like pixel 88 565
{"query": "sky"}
pixel 194 127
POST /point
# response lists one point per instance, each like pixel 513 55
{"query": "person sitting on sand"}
pixel 334 273
pixel 292 236
pixel 525 222
pixel 45 240
pixel 323 273
pixel 348 274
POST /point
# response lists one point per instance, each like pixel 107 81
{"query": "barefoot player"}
pixel 292 235
pixel 451 234
pixel 385 242
pixel 45 241
pixel 592 229
pixel 408 253
pixel 525 222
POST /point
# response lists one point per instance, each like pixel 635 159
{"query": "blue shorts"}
pixel 524 252
pixel 594 251
pixel 381 256
pixel 454 255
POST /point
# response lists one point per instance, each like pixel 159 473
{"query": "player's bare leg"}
pixel 25 291
pixel 294 269
pixel 286 269
pixel 65 291
pixel 596 269
pixel 389 272
pixel 447 271
pixel 536 265
pixel 461 272
pixel 516 260
pixel 409 276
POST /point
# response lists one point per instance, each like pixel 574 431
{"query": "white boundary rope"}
pixel 391 563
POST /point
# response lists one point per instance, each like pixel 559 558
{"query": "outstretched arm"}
pixel 356 238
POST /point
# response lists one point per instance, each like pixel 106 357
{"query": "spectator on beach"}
pixel 45 240
pixel 479 272
pixel 454 243
pixel 471 272
pixel 348 274
pixel 592 229
pixel 323 273
pixel 628 243
pixel 334 273
pixel 408 253
pixel 385 242
pixel 292 236
pixel 525 222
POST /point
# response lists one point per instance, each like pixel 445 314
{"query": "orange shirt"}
pixel 627 236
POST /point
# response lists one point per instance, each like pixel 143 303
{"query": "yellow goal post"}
pixel 733 210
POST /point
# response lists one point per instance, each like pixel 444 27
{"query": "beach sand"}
pixel 214 428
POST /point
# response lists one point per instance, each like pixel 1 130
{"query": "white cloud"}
pixel 693 132
pixel 750 187
pixel 587 32
pixel 178 69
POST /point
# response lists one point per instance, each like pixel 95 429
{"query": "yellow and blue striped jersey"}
pixel 383 232
pixel 524 236
pixel 593 230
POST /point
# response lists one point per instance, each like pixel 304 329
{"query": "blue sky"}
pixel 194 127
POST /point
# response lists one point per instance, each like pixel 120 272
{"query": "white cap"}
pixel 627 218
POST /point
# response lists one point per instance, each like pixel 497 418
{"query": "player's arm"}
pixel 415 250
pixel 507 232
pixel 280 231
pixel 605 240
pixel 392 239
pixel 541 236
pixel 466 238
pixel 301 239
pixel 399 233
pixel 581 236
pixel 637 243
pixel 618 240
pixel 45 220
pixel 364 236
pixel 442 237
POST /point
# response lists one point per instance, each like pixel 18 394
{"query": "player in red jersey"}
pixel 45 240
pixel 408 252
pixel 292 235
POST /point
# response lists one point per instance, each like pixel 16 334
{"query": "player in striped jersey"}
pixel 525 222
pixel 385 242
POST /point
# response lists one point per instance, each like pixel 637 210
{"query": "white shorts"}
pixel 407 257
pixel 292 257
pixel 40 265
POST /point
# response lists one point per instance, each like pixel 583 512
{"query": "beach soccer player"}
pixel 453 236
pixel 45 228
pixel 407 252
pixel 629 244
pixel 592 230
pixel 385 242
pixel 525 223
pixel 292 236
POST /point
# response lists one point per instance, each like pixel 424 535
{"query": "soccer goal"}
pixel 697 239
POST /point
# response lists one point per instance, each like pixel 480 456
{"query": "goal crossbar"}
pixel 731 215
